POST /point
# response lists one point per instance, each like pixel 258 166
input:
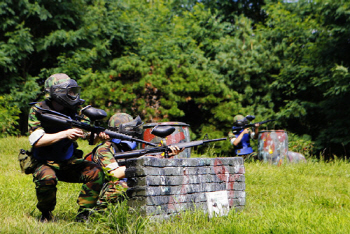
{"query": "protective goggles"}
pixel 71 92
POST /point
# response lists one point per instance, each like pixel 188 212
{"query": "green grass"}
pixel 311 197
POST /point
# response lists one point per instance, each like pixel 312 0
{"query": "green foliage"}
pixel 311 89
pixel 303 145
pixel 119 218
pixel 8 116
pixel 199 62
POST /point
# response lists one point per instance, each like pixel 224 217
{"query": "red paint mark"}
pixel 181 196
pixel 147 136
pixel 223 174
pixel 175 138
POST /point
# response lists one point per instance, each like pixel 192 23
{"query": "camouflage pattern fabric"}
pixel 74 170
pixel 112 191
pixel 238 118
pixel 104 154
pixel 118 119
pixel 55 79
pixel 33 122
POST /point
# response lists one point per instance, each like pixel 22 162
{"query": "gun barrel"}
pixel 196 143
pixel 213 140
pixel 129 154
pixel 138 153
pixel 266 121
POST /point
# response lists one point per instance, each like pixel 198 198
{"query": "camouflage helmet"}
pixel 239 120
pixel 124 123
pixel 55 79
pixel 63 90
pixel 117 119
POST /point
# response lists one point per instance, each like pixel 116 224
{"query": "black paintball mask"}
pixel 67 94
pixel 132 128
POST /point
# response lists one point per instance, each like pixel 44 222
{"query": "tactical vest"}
pixel 58 151
pixel 243 147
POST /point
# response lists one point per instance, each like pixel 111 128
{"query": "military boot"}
pixel 46 216
pixel 83 215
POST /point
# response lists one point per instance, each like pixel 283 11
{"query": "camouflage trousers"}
pixel 47 174
pixel 111 192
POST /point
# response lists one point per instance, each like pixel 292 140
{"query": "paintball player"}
pixel 55 149
pixel 103 155
pixel 240 139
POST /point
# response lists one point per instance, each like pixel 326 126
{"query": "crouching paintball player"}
pixel 103 155
pixel 55 149
pixel 240 136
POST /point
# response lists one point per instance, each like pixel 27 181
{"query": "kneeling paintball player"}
pixel 56 152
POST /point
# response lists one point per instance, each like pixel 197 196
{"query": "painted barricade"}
pixel 164 188
pixel 273 146
pixel 181 134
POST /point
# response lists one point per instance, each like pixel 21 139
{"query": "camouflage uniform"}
pixel 60 161
pixel 113 189
pixel 103 155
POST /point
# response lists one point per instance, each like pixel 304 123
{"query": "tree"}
pixel 311 40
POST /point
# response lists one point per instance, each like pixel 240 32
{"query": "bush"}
pixel 8 116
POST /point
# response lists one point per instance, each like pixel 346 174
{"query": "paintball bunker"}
pixel 181 134
pixel 161 188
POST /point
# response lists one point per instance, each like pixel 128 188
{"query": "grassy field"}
pixel 311 197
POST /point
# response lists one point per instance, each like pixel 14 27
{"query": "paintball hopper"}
pixel 93 113
pixel 250 117
pixel 162 131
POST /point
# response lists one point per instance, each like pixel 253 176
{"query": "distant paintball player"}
pixel 240 136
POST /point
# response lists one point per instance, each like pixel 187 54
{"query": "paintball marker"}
pixel 93 114
pixel 162 131
pixel 236 129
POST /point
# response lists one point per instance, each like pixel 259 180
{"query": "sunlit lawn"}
pixel 294 198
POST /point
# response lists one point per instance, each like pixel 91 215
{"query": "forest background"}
pixel 198 62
